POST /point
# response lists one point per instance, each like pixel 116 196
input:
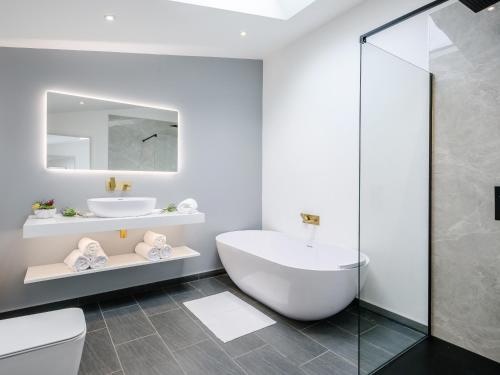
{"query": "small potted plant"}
pixel 171 208
pixel 69 212
pixel 44 210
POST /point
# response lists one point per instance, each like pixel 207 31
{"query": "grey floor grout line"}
pixel 358 315
pixel 338 354
pixel 395 322
pixel 379 347
pixel 211 339
pixel 116 308
pixel 96 330
pixel 306 327
pixel 271 345
pixel 253 350
pixel 160 313
pixel 341 328
pixel 161 338
pixel 312 325
pixel 191 345
pixel 368 330
pixel 309 337
pixel 312 359
pixel 136 339
pixel 112 341
pixel 327 349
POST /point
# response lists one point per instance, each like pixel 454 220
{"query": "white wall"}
pixel 310 126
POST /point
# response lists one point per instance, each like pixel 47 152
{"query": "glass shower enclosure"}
pixel 394 200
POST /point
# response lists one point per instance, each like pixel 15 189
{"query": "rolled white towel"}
pixel 165 251
pixel 88 247
pixel 155 239
pixel 99 260
pixel 147 251
pixel 187 206
pixel 77 261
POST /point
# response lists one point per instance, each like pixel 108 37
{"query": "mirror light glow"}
pixel 116 100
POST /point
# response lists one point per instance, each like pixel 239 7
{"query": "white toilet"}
pixel 47 343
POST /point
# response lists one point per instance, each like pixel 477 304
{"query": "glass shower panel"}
pixel 394 206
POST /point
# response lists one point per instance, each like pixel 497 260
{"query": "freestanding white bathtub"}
pixel 297 281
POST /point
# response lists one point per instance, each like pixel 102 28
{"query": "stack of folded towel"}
pixel 154 247
pixel 89 254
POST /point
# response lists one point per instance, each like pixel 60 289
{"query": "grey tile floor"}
pixel 152 333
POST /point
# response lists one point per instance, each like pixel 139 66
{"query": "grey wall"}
pixel 219 101
pixel 466 238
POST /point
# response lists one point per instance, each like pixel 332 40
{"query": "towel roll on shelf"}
pixel 88 246
pixel 77 261
pixel 155 239
pixel 99 260
pixel 147 251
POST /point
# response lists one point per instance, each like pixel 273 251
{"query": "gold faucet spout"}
pixel 310 219
pixel 111 184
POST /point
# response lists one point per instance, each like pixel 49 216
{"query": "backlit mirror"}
pixel 94 134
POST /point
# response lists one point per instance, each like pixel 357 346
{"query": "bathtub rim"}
pixel 363 266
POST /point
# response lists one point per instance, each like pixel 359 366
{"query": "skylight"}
pixel 281 9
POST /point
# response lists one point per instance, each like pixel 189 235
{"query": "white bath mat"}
pixel 227 316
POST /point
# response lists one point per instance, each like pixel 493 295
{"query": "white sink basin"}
pixel 121 207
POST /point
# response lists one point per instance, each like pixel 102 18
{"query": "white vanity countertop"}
pixel 60 225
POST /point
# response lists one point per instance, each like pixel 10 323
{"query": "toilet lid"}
pixel 30 332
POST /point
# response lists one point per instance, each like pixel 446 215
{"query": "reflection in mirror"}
pixel 88 133
pixel 67 152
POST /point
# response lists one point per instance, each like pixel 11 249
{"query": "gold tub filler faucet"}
pixel 310 219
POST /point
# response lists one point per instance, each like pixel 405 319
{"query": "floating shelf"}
pixel 60 225
pixel 61 270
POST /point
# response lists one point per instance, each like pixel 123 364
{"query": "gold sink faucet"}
pixel 113 185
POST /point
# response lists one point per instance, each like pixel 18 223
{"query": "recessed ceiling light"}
pixel 82 102
pixel 491 9
pixel 243 33
pixel 109 17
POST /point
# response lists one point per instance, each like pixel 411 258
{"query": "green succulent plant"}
pixel 69 212
pixel 170 208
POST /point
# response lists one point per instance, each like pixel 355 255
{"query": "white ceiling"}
pixel 157 26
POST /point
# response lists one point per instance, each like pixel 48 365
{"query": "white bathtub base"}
pixel 309 293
